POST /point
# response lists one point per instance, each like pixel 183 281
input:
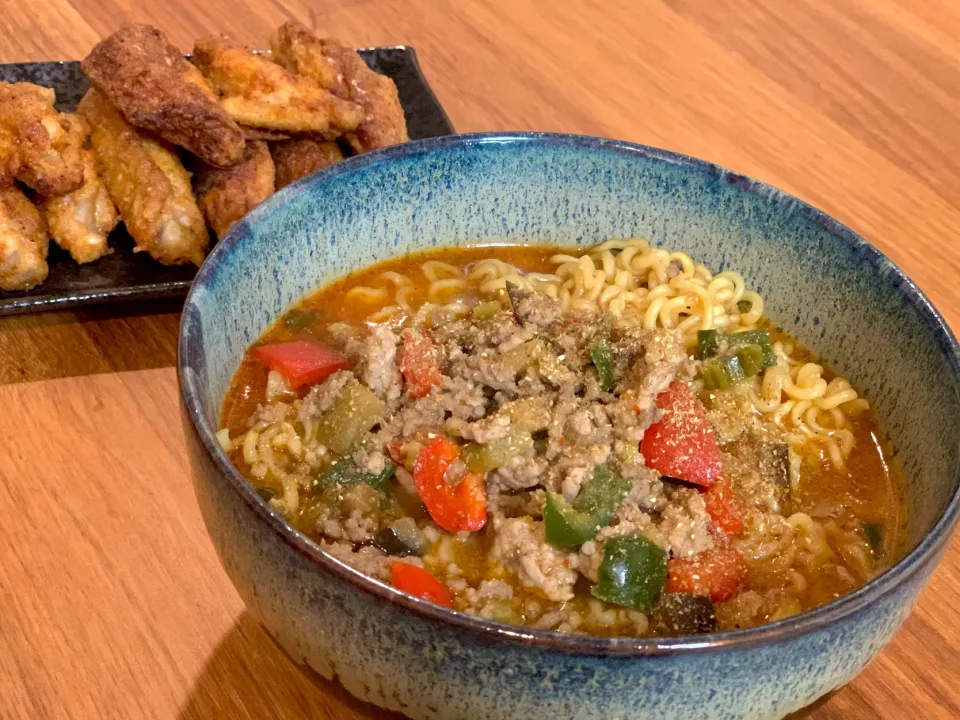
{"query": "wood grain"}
pixel 114 603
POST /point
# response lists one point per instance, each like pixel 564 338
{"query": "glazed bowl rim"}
pixel 591 645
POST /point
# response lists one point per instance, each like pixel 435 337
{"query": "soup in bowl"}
pixel 485 425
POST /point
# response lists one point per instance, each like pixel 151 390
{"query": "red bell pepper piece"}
pixel 301 362
pixel 726 513
pixel 454 508
pixel 719 574
pixel 420 364
pixel 419 583
pixel 682 444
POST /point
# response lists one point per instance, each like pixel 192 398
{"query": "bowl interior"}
pixel 824 285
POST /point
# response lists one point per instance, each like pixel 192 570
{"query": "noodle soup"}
pixel 611 442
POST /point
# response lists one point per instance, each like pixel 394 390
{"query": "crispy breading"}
pixel 297 49
pixel 260 93
pixel 149 185
pixel 157 89
pixel 227 194
pixel 80 221
pixel 341 70
pixel 23 242
pixel 34 147
pixel 252 133
pixel 301 156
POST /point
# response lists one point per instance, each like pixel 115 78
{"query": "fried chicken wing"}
pixel 34 147
pixel 80 221
pixel 157 89
pixel 149 185
pixel 260 93
pixel 23 242
pixel 227 194
pixel 297 49
pixel 341 70
pixel 301 156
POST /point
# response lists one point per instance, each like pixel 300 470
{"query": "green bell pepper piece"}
pixel 632 574
pixel 571 524
pixel 711 342
pixel 602 355
pixel 721 372
pixel 566 527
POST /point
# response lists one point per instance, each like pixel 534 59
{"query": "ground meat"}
pixel 569 468
pixel 534 310
pixel 647 490
pixel 473 336
pixel 552 369
pixel 490 428
pixel 520 546
pixel 427 413
pixel 377 360
pixel 627 423
pixel 685 524
pixel 587 425
pixel 463 399
pixel 664 355
pixel 372 462
pixel 321 397
pixel 521 472
pixel 342 332
pixel 485 369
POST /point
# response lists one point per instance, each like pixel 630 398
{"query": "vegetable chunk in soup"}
pixel 612 442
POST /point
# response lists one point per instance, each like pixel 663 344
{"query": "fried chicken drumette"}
pixel 227 194
pixel 297 157
pixel 339 69
pixel 23 242
pixel 157 89
pixel 80 221
pixel 149 185
pixel 259 93
pixel 34 147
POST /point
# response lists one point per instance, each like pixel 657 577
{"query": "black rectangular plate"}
pixel 125 276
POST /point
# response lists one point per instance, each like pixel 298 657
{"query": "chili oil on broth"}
pixel 817 553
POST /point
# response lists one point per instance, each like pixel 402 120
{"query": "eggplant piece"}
pixel 401 538
pixel 683 614
pixel 775 464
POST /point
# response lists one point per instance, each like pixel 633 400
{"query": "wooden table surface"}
pixel 113 602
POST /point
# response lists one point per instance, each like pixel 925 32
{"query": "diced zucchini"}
pixel 354 412
pixel 496 453
pixel 486 310
pixel 521 357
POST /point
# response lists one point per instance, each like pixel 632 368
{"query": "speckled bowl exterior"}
pixel 823 283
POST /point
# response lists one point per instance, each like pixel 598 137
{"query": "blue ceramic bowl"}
pixel 822 282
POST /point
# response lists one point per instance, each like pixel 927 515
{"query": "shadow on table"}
pixel 249 676
pixel 119 337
